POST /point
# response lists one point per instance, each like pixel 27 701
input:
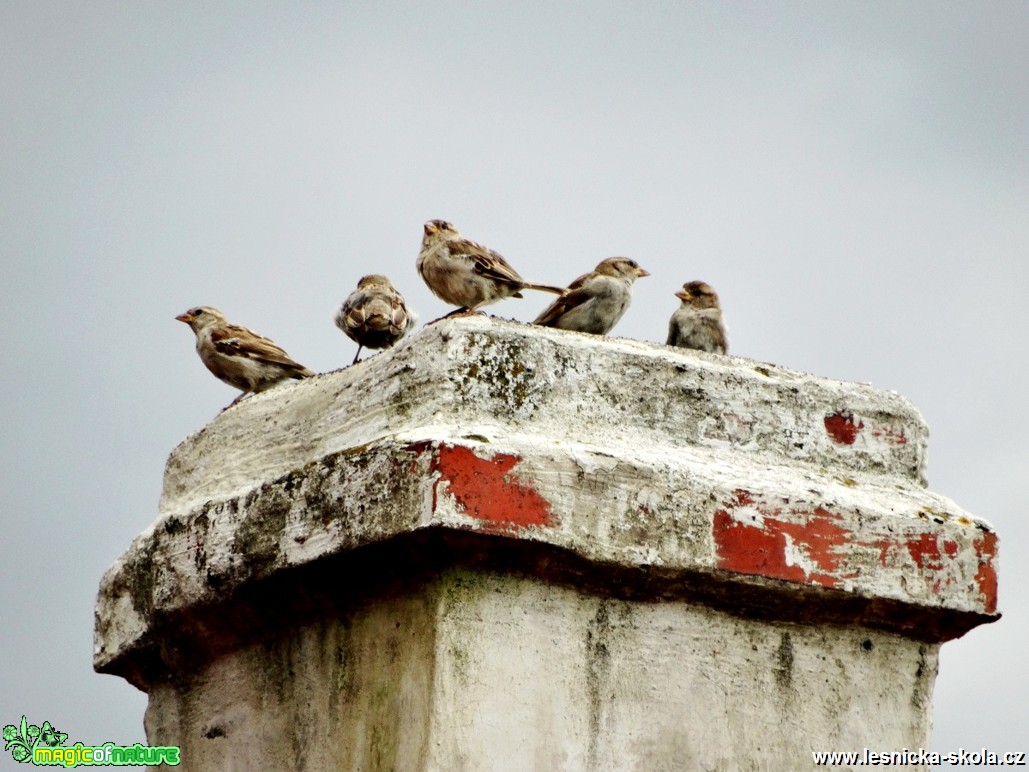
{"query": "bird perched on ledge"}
pixel 238 356
pixel 698 322
pixel 595 301
pixel 466 274
pixel 374 315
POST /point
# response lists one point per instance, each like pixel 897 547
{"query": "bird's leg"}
pixel 359 347
pixel 237 399
pixel 462 311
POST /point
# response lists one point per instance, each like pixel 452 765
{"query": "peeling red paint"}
pixel 925 550
pixel 763 548
pixel 742 498
pixel 890 435
pixel 842 428
pixel 489 491
pixel 809 544
pixel 986 576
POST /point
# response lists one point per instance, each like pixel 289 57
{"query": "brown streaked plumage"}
pixel 374 315
pixel 466 274
pixel 595 301
pixel 698 322
pixel 238 356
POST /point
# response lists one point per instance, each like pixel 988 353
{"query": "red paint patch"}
pixel 927 553
pixel 841 427
pixel 489 491
pixel 764 548
pixel 797 543
pixel 986 576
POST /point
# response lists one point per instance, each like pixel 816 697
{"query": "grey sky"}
pixel 853 179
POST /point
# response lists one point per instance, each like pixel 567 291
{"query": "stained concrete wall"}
pixel 500 547
pixel 479 670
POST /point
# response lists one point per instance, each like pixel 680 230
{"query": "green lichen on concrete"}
pixel 598 672
pixel 925 677
pixel 459 589
pixel 140 579
pixel 496 367
pixel 200 526
pixel 383 736
pixel 401 399
pixel 784 662
pixel 265 512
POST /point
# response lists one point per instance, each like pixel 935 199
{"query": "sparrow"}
pixel 595 301
pixel 237 356
pixel 698 322
pixel 374 315
pixel 466 274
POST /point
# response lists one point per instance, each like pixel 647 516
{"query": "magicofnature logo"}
pixel 21 741
pixel 43 746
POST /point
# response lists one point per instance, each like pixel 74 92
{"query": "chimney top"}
pixel 623 466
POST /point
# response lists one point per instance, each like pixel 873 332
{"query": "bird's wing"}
pixel 402 320
pixel 714 333
pixel 233 340
pixel 485 261
pixel 577 293
pixel 353 314
pixel 673 332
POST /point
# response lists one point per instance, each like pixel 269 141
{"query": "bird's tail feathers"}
pixel 545 288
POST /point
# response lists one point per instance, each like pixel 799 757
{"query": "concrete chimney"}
pixel 503 547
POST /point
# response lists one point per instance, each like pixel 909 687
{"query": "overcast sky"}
pixel 853 178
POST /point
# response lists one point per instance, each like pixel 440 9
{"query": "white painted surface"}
pixel 694 475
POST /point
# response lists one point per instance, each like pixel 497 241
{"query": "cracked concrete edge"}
pixel 664 512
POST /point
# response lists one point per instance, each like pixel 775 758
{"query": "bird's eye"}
pixel 633 264
pixel 196 312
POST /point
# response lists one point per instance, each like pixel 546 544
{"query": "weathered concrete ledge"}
pixel 470 377
pixel 572 470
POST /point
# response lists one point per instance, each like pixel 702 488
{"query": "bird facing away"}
pixel 466 274
pixel 374 315
pixel 238 356
pixel 698 323
pixel 595 301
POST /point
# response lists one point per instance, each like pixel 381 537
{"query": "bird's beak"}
pixel 184 317
pixel 681 294
pixel 430 229
pixel 640 272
